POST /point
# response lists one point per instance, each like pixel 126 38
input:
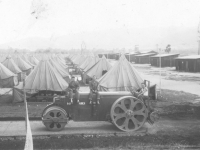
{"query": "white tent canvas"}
pixel 121 77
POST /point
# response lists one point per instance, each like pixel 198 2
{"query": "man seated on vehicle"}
pixel 94 89
pixel 142 94
pixel 73 88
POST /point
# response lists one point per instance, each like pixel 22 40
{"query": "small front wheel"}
pixel 54 118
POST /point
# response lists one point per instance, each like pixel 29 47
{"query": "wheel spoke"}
pixel 55 114
pixel 133 104
pixel 135 122
pixel 119 116
pixel 52 125
pixel 58 125
pixel 59 115
pixel 140 112
pixel 122 106
pixel 48 117
pixel 125 124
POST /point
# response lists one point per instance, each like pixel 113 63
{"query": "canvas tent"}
pixel 18 93
pixel 60 63
pixel 45 77
pixel 77 59
pixel 2 57
pixel 10 64
pixel 7 78
pixel 90 64
pixel 23 66
pixel 64 73
pixel 33 60
pixel 86 62
pixel 99 68
pixel 121 77
pixel 25 58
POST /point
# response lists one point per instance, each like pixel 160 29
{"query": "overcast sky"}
pixel 51 19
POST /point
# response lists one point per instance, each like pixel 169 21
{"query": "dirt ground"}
pixel 165 134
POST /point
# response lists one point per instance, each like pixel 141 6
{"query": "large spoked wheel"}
pixel 54 118
pixel 128 113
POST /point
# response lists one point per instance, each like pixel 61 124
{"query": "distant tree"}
pixel 168 48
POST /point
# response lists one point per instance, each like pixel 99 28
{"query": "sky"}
pixel 98 23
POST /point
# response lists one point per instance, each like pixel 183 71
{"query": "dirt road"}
pixel 169 78
pixel 172 134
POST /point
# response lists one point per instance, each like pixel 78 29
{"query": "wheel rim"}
pixel 55 118
pixel 128 113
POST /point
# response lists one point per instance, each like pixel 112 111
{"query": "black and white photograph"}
pixel 99 74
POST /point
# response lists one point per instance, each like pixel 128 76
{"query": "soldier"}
pixel 142 92
pixel 74 88
pixel 143 96
pixel 94 89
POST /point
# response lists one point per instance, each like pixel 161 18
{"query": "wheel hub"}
pixel 129 113
pixel 55 119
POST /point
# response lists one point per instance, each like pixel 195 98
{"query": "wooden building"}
pixel 131 56
pixel 167 60
pixel 110 55
pixel 143 58
pixel 188 63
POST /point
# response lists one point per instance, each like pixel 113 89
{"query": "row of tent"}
pixel 13 66
pixel 50 73
pixel 119 77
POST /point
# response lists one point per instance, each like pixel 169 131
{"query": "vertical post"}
pixel 198 34
pixel 199 47
pixel 160 71
pixel 129 56
pixel 13 93
pixel 25 104
pixel 157 48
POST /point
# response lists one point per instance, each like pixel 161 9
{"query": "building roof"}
pixel 147 54
pixel 189 57
pixel 148 51
pixel 132 53
pixel 165 55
